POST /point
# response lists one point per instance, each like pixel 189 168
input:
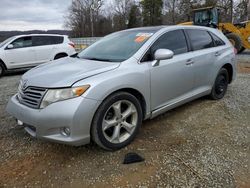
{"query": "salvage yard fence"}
pixel 82 43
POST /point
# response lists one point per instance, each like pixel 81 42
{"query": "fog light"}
pixel 65 131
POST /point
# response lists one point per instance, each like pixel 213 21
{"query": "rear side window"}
pixel 200 39
pixel 46 40
pixel 217 41
pixel 172 40
pixel 22 42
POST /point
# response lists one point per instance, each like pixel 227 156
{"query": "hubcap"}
pixel 120 121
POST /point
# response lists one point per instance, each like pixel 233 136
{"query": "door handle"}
pixel 189 62
pixel 217 54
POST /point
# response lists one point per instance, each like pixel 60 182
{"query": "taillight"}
pixel 72 44
pixel 235 51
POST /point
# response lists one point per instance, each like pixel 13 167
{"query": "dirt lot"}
pixel 201 144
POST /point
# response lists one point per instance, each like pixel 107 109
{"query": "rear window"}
pixel 200 39
pixel 217 41
pixel 46 40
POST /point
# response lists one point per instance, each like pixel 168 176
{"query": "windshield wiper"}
pixel 75 55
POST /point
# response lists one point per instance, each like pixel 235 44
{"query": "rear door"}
pixel 22 54
pixel 45 47
pixel 204 57
pixel 174 77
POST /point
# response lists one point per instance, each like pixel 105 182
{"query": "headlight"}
pixel 249 39
pixel 55 95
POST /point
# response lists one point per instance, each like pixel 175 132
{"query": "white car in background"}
pixel 26 51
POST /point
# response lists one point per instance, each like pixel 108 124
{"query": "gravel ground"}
pixel 201 144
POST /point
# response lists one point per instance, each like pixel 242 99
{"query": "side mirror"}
pixel 162 54
pixel 10 46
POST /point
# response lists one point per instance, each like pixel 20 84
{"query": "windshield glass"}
pixel 5 42
pixel 117 47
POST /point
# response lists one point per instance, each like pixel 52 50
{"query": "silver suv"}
pixel 106 91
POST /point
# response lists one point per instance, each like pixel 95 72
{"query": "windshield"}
pixel 6 41
pixel 117 47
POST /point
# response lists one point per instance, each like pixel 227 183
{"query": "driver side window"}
pixel 22 42
pixel 172 40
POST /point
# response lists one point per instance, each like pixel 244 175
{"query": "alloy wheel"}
pixel 119 121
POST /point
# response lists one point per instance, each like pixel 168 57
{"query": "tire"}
pixel 124 114
pixel 59 56
pixel 241 50
pixel 220 85
pixel 2 69
pixel 235 40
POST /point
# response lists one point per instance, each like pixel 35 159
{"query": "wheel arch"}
pixel 136 94
pixel 61 53
pixel 1 61
pixel 229 69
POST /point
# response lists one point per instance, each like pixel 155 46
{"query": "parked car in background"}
pixel 31 50
pixel 105 92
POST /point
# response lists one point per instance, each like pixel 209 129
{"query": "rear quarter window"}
pixel 56 40
pixel 217 40
pixel 200 39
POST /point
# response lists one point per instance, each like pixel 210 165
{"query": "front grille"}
pixel 30 96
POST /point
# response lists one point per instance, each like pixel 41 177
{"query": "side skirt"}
pixel 180 101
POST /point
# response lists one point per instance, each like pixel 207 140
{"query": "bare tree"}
pixel 121 10
pixel 100 17
pixel 83 16
pixel 241 10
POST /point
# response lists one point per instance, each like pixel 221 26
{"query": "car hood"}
pixel 65 72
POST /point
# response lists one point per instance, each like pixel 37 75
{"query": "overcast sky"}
pixel 32 14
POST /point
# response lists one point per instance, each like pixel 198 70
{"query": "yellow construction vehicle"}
pixel 238 34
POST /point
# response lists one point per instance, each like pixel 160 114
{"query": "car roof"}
pixel 30 35
pixel 166 27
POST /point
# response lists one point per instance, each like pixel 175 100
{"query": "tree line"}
pixel 88 18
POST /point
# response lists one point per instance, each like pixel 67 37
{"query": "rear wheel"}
pixel 2 69
pixel 235 40
pixel 117 121
pixel 220 85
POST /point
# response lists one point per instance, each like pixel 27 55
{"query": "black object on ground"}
pixel 132 158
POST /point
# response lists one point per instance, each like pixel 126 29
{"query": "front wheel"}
pixel 2 70
pixel 117 121
pixel 220 85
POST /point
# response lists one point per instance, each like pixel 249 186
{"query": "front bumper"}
pixel 47 123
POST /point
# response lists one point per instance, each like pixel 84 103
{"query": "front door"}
pixel 172 78
pixel 22 54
